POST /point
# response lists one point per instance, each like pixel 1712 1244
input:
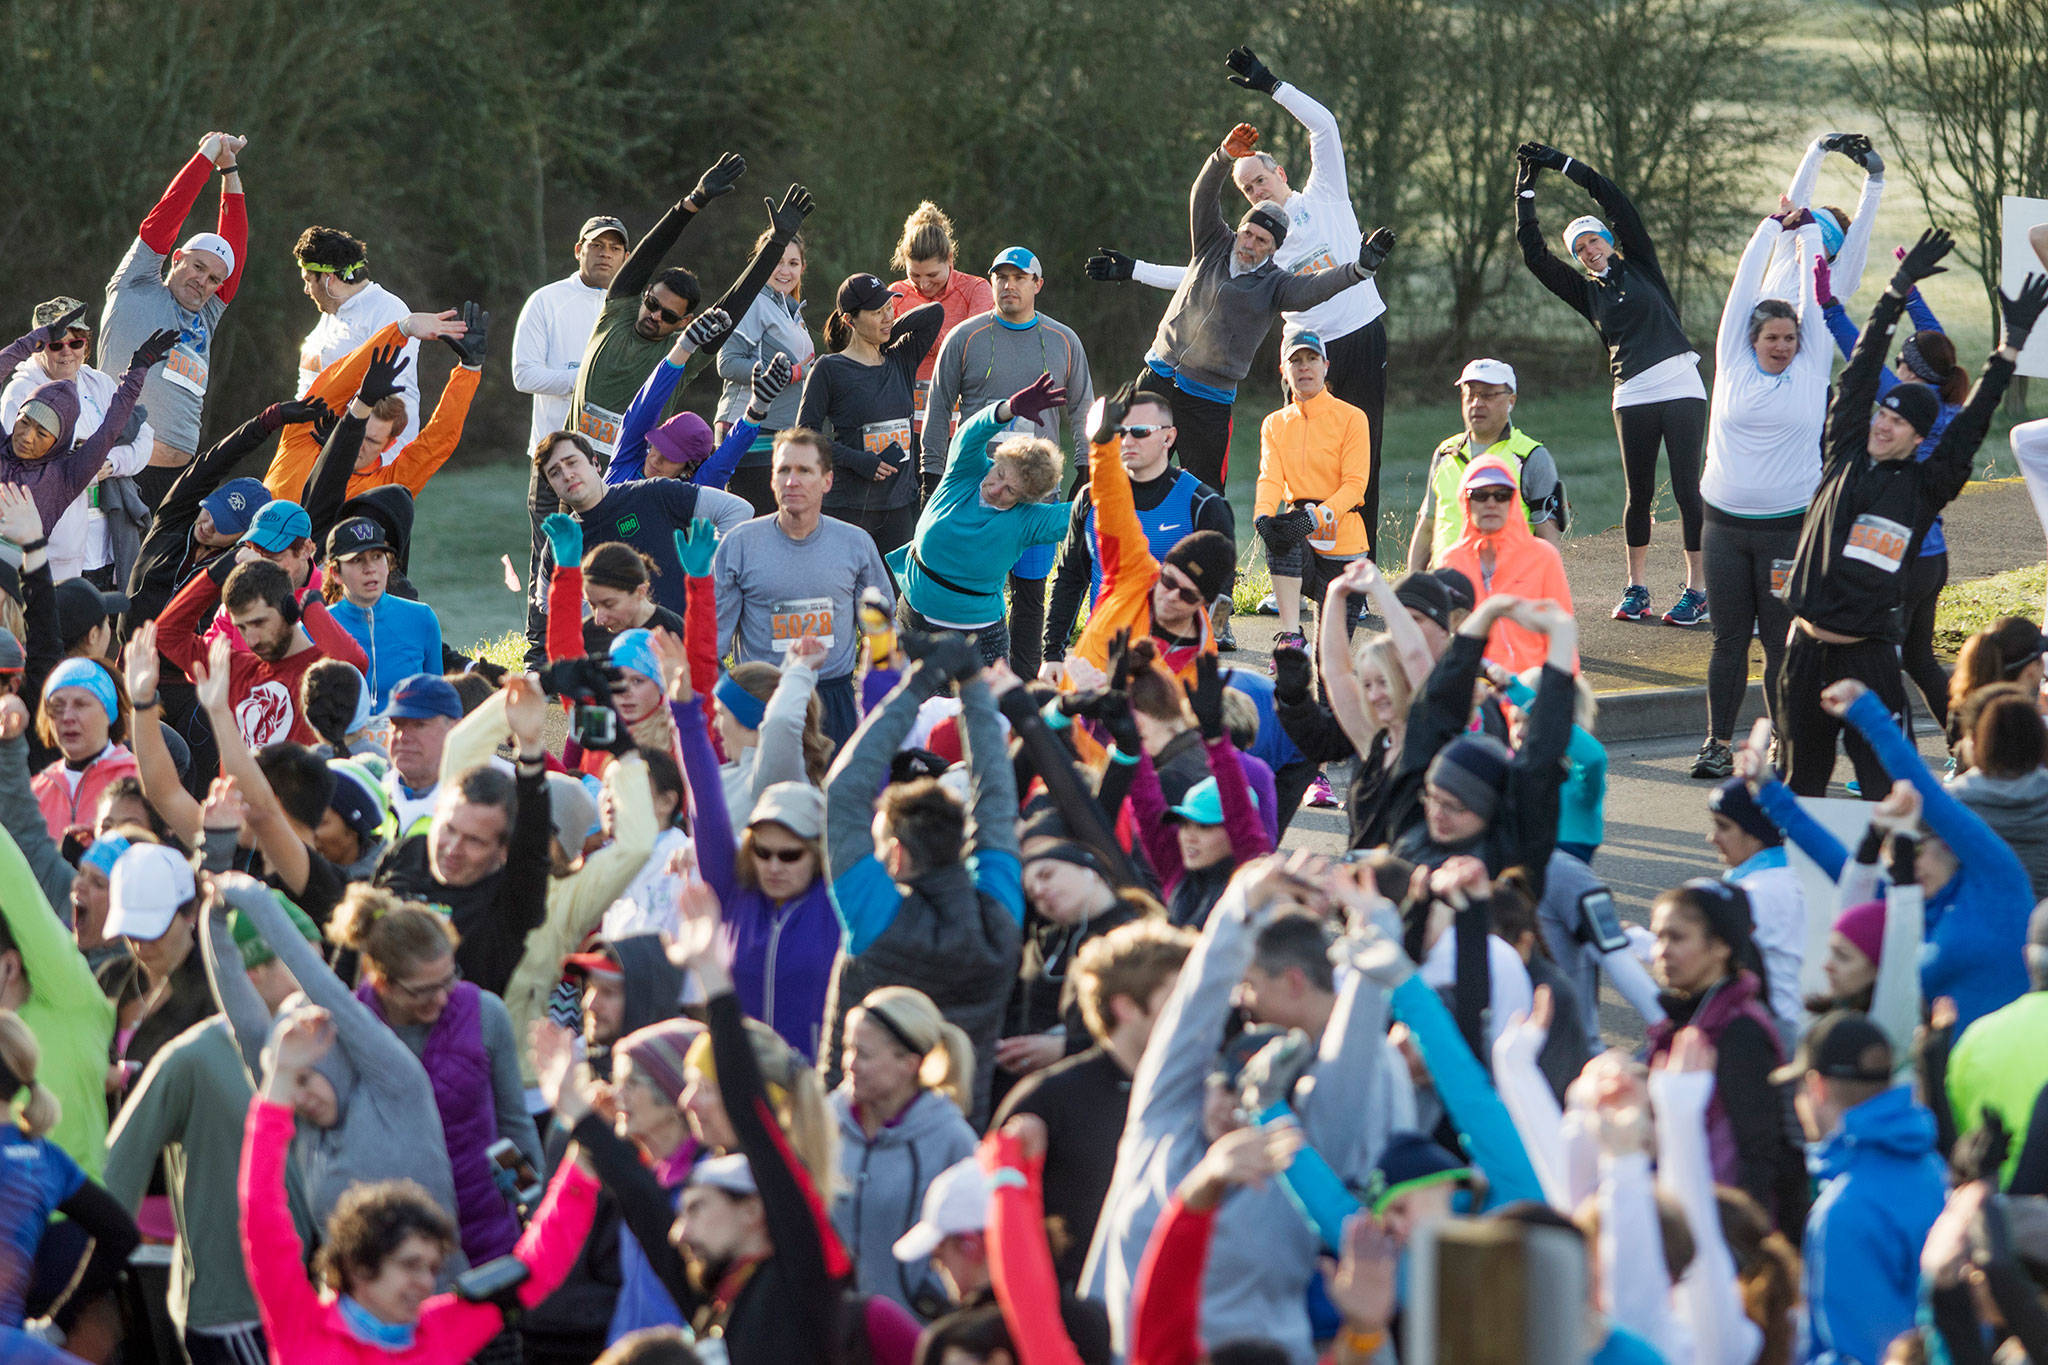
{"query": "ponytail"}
pixel 797 1094
pixel 838 331
pixel 393 936
pixel 19 1058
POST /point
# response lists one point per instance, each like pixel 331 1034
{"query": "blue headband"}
pixel 746 708
pixel 1830 231
pixel 634 649
pixel 102 853
pixel 90 676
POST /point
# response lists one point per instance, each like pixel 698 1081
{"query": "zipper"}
pixel 775 922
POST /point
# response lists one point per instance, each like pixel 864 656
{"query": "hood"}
pixel 1517 525
pixel 2025 791
pixel 335 1065
pixel 653 983
pixel 62 396
pixel 930 1115
pixel 390 506
pixel 1889 1125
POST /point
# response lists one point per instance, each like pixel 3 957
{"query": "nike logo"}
pixel 1169 526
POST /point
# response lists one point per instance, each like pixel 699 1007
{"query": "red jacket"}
pixel 964 296
pixel 263 695
pixel 62 807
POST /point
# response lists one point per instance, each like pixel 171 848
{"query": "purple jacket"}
pixel 460 1071
pixel 1248 836
pixel 781 955
pixel 56 480
pixel 1740 997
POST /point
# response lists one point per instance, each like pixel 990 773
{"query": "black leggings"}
pixel 1680 424
pixel 1806 733
pixel 1747 560
pixel 1358 375
pixel 992 639
pixel 1925 578
pixel 1201 428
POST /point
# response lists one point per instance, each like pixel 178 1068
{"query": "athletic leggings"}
pixel 1926 576
pixel 1807 734
pixel 1201 428
pixel 1746 559
pixel 1680 424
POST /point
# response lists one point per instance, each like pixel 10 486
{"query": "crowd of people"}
pixel 866 927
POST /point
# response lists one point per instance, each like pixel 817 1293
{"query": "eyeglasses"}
pixel 1184 590
pixel 779 855
pixel 647 302
pixel 68 344
pixel 1138 433
pixel 432 988
pixel 1494 494
pixel 1444 801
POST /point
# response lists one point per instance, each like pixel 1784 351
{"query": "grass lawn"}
pixel 1967 608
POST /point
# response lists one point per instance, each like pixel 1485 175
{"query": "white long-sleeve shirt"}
pixel 1763 430
pixel 547 348
pixel 1846 270
pixel 1708 1313
pixel 365 313
pixel 78 541
pixel 1322 228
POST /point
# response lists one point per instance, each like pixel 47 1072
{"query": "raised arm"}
pixel 248 1018
pixel 284 854
pixel 1856 388
pixel 1950 462
pixel 1732 342
pixel 1553 274
pixel 1206 223
pixel 1629 233
pixel 646 258
pixel 784 221
pixel 160 784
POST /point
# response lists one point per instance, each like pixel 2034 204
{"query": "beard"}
pixel 706 1273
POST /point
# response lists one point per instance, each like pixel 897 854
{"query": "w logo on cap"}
pixel 364 531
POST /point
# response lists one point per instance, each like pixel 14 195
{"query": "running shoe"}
pixel 1853 787
pixel 1283 640
pixel 1269 605
pixel 1635 604
pixel 1716 761
pixel 1321 796
pixel 1689 610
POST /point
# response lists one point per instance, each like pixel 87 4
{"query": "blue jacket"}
pixel 1977 924
pixel 1881 1188
pixel 400 636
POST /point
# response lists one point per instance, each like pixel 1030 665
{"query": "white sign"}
pixel 2017 260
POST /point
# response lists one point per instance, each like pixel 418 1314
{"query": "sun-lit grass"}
pixel 1967 608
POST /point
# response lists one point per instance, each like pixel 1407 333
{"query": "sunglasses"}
pixel 1138 433
pixel 647 302
pixel 68 344
pixel 1495 494
pixel 779 855
pixel 1184 590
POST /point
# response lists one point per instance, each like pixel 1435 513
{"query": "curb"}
pixel 1666 712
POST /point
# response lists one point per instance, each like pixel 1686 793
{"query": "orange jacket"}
pixel 964 296
pixel 1523 566
pixel 1317 450
pixel 298 448
pixel 1128 569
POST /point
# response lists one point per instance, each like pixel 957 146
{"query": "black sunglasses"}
pixel 1184 590
pixel 647 302
pixel 780 855
pixel 1495 494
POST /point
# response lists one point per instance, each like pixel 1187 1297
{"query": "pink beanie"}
pixel 1863 925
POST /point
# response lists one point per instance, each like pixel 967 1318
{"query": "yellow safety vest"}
pixel 1447 471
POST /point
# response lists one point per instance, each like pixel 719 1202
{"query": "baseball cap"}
pixel 149 885
pixel 256 952
pixel 729 1173
pixel 1488 371
pixel 214 242
pixel 1295 337
pixel 1843 1045
pixel 797 806
pixel 81 606
pixel 278 525
pixel 602 222
pixel 234 503
pixel 1484 475
pixel 423 695
pixel 1458 586
pixel 11 658
pixel 862 292
pixel 955 1202
pixel 2020 642
pixel 1019 257
pixel 47 313
pixel 596 955
pixel 1203 804
pixel 357 535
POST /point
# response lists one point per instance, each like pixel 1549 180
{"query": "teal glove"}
pixel 695 546
pixel 565 534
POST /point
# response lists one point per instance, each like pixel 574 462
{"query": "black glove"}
pixel 1980 1153
pixel 709 327
pixel 1120 661
pixel 154 348
pixel 1284 530
pixel 1108 265
pixel 1290 674
pixel 1109 414
pixel 47 334
pixel 1863 154
pixel 469 348
pixel 586 680
pixel 296 413
pixel 1525 177
pixel 1538 154
pixel 1205 696
pixel 928 483
pixel 947 655
pixel 1248 71
pixel 1118 723
pixel 1372 253
pixel 1838 142
pixel 787 218
pixel 1922 260
pixel 380 379
pixel 770 378
pixel 719 180
pixel 2021 313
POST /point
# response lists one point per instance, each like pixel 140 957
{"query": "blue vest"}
pixel 1165 526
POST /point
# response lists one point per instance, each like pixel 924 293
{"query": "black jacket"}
pixel 168 552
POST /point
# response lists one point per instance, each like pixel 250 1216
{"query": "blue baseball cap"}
pixel 1020 258
pixel 234 503
pixel 278 525
pixel 421 696
pixel 1203 804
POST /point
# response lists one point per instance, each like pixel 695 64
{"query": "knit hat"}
pixel 43 415
pixel 1424 593
pixel 1863 925
pixel 634 649
pixel 572 811
pixel 1732 800
pixel 1410 1161
pixel 84 673
pixel 1918 404
pixel 1579 227
pixel 357 798
pixel 658 1052
pixel 255 952
pixel 1268 215
pixel 233 503
pixel 1208 559
pixel 683 439
pixel 1473 768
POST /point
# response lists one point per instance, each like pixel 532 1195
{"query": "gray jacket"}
pixel 882 1185
pixel 2016 808
pixel 771 326
pixel 1213 327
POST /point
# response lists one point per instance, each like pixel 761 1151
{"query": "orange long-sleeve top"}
pixel 298 448
pixel 1317 450
pixel 1128 569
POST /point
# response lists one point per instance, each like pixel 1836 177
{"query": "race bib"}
pixel 1781 574
pixel 791 620
pixel 921 392
pixel 186 368
pixel 1324 537
pixel 1319 258
pixel 877 437
pixel 600 427
pixel 1878 541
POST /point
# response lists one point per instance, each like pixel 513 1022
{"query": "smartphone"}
pixel 492 1281
pixel 525 1181
pixel 1600 922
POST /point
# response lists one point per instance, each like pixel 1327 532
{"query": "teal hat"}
pixel 1203 804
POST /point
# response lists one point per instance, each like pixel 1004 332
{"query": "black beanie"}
pixel 1918 404
pixel 1268 215
pixel 1473 768
pixel 1208 559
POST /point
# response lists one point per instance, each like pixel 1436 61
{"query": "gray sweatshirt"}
pixel 882 1181
pixel 772 325
pixel 985 360
pixel 1214 325
pixel 1263 1253
pixel 772 590
pixel 2016 808
pixel 139 304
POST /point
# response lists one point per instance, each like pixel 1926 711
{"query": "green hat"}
pixel 255 952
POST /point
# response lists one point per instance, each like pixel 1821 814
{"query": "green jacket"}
pixel 1999 1064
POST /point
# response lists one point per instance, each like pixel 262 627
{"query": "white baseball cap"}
pixel 1489 371
pixel 149 885
pixel 730 1173
pixel 214 242
pixel 955 1202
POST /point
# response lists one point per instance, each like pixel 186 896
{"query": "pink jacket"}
pixel 62 807
pixel 305 1326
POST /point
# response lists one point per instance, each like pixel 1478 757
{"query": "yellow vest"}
pixel 1448 471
